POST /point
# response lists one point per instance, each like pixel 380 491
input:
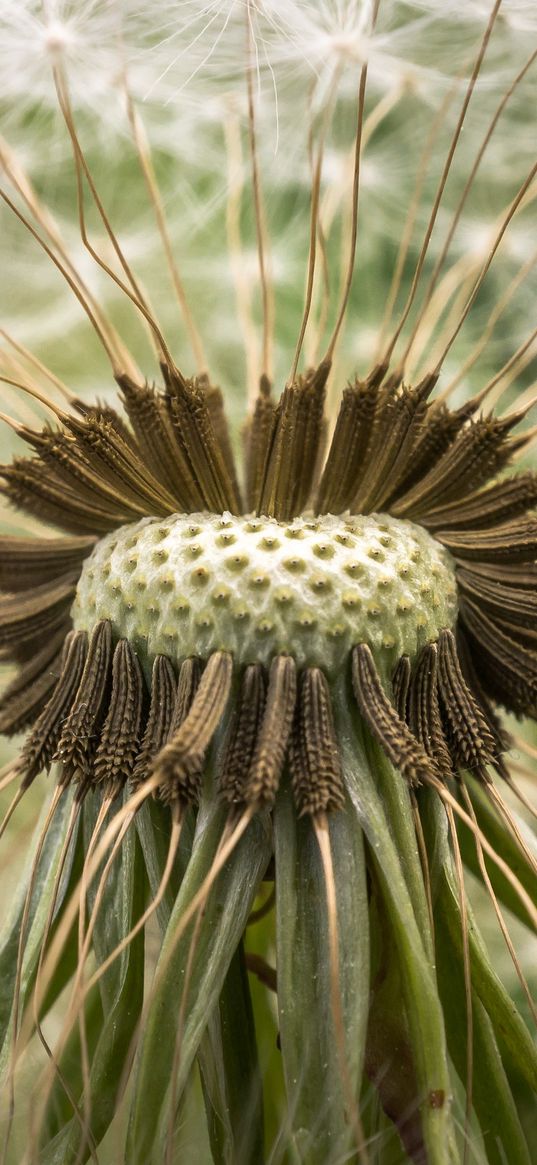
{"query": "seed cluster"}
pixel 256 587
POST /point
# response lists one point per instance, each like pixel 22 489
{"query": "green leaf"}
pixel 59 1108
pixel 492 1098
pixel 114 918
pixel 230 1075
pixel 122 1006
pixel 424 1011
pixel 228 1054
pixel 389 1059
pixel 499 836
pixel 43 894
pixel 220 928
pixel 153 822
pixel 398 811
pixel 511 1032
pixel 317 1092
pixel 514 1040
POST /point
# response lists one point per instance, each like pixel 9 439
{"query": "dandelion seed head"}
pixel 279 563
pixel 364 573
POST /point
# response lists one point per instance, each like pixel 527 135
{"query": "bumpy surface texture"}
pixel 190 585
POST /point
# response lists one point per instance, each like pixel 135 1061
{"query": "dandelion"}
pixel 270 674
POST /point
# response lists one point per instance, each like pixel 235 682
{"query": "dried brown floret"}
pixel 178 765
pixel 233 775
pixel 315 765
pixel 119 740
pixel 80 732
pixel 159 718
pixel 271 745
pixel 383 721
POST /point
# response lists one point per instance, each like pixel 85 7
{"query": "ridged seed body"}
pixel 198 583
